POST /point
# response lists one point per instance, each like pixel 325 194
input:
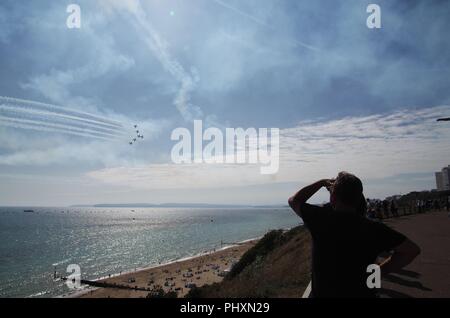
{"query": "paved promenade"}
pixel 429 274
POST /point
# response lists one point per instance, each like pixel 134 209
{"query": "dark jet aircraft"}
pixel 444 119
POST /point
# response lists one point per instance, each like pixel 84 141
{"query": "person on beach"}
pixel 345 242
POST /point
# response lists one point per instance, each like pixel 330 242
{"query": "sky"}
pixel 343 96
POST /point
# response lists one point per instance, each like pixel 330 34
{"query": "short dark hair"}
pixel 348 189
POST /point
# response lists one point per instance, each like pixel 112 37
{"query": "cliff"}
pixel 278 265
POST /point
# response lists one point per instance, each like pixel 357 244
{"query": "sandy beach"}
pixel 179 276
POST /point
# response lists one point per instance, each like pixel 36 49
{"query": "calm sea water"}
pixel 105 241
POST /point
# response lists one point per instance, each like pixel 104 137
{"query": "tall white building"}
pixel 443 179
pixel 439 181
pixel 446 177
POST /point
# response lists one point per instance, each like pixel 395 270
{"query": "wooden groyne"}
pixel 109 285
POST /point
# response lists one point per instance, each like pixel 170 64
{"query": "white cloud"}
pixel 5 29
pixel 378 146
pixel 56 85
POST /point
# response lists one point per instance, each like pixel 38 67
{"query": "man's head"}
pixel 347 193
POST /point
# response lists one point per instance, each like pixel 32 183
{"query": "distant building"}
pixel 443 179
pixel 446 177
pixel 439 181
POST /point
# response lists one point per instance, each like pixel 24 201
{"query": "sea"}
pixel 109 241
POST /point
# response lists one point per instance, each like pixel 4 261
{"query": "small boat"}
pixel 28 211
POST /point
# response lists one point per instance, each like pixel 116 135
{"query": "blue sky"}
pixel 344 97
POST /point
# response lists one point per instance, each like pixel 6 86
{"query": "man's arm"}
pixel 296 201
pixel 403 254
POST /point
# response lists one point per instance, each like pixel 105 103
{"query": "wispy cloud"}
pixel 57 84
pixel 377 146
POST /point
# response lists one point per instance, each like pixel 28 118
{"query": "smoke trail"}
pixel 62 128
pixel 47 127
pixel 260 22
pixel 45 116
pixel 159 48
pixel 60 110
pixel 27 114
pixel 240 12
pixel 41 128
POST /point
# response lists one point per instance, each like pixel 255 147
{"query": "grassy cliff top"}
pixel 279 265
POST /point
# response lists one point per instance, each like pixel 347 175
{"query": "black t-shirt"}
pixel 344 244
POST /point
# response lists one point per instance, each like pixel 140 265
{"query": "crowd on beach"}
pixel 180 281
pixel 173 279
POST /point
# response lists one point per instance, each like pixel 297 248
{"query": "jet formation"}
pixel 138 136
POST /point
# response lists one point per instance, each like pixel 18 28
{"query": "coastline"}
pixel 221 259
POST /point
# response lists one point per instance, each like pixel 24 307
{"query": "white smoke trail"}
pixel 46 116
pixel 60 127
pixel 40 128
pixel 159 48
pixel 260 22
pixel 26 114
pixel 60 110
pixel 240 12
pixel 50 127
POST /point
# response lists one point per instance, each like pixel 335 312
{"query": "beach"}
pixel 179 276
